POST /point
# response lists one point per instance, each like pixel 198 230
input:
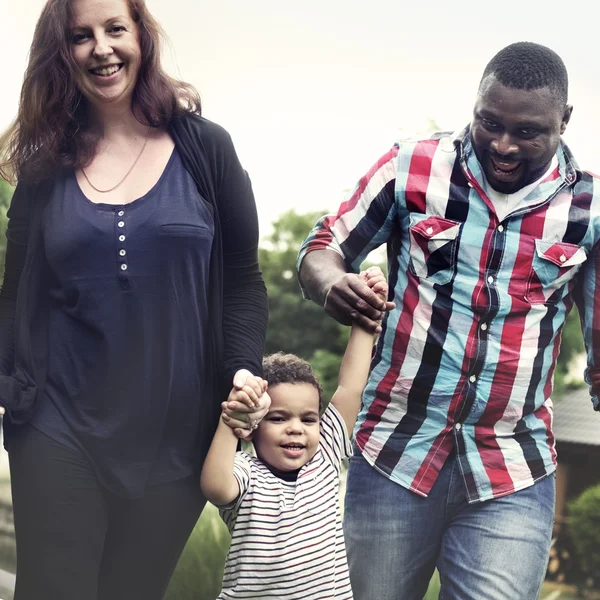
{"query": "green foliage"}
pixel 297 325
pixel 584 519
pixel 199 572
pixel 570 347
pixel 6 192
pixel 327 367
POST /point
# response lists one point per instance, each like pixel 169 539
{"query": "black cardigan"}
pixel 237 295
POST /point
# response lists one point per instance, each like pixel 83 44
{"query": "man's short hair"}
pixel 289 368
pixel 530 66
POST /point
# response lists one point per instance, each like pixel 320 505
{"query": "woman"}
pixel 131 300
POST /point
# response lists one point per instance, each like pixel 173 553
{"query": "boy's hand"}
pixel 244 423
pixel 247 404
pixel 376 280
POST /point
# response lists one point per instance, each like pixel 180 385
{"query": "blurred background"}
pixel 313 92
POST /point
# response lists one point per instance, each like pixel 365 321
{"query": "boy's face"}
pixel 288 437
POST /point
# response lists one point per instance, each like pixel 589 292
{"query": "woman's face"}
pixel 106 50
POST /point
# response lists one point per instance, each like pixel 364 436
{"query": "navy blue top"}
pixel 127 328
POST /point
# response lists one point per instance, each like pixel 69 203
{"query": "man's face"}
pixel 515 133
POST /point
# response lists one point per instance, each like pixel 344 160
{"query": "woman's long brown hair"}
pixel 51 130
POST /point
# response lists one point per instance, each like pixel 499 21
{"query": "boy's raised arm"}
pixel 357 359
pixel 217 482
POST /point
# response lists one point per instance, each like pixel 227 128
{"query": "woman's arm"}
pixel 17 239
pixel 245 309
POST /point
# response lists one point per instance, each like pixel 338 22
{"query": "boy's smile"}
pixel 288 437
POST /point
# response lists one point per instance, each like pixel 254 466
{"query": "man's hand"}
pixel 351 299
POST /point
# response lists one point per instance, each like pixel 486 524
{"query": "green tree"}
pixel 570 347
pixel 584 521
pixel 297 325
pixel 6 192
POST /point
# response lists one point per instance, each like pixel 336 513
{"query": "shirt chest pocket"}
pixel 433 247
pixel 554 265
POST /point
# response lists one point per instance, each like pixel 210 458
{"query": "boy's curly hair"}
pixel 289 368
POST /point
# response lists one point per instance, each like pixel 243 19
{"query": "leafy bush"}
pixel 584 517
pixel 199 572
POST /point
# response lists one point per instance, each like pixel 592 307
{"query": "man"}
pixel 489 234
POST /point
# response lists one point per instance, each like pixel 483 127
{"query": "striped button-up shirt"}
pixel 465 360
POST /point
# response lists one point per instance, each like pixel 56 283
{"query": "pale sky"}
pixel 314 91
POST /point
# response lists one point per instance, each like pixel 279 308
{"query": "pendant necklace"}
pixel 126 174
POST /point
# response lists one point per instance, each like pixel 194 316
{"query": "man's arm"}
pixel 345 296
pixel 357 357
pixel 330 257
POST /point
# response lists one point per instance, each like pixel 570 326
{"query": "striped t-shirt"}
pixel 286 537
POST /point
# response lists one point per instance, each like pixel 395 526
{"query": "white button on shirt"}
pixel 473 378
pixel 123 267
pixel 121 224
pixel 121 213
pixel 458 427
pixel 490 279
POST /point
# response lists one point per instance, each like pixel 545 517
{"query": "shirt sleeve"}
pixel 335 442
pixel 363 222
pixel 245 311
pixel 588 303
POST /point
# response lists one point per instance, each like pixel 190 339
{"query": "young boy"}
pixel 282 507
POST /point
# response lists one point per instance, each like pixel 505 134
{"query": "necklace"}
pixel 126 174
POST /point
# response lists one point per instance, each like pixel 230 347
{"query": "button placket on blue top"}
pixel 121 245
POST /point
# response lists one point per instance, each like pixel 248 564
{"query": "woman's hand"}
pixel 247 404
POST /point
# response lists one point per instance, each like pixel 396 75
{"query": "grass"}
pixel 200 569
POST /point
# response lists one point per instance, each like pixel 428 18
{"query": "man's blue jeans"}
pixel 493 550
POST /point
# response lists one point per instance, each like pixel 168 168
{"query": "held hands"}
pixel 376 280
pixel 361 298
pixel 246 405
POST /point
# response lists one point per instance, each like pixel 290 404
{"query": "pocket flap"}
pixel 436 228
pixel 560 253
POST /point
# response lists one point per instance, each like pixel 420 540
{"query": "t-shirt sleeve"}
pixel 335 442
pixel 242 471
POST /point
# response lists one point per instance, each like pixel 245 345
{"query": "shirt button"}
pixel 469 184
pixel 563 258
pixel 121 224
pixel 430 230
pixel 490 279
pixel 483 326
pixel 121 213
pixel 122 252
pixel 473 378
pixel 123 267
pixel 458 427
pixel 121 238
pixel 500 228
